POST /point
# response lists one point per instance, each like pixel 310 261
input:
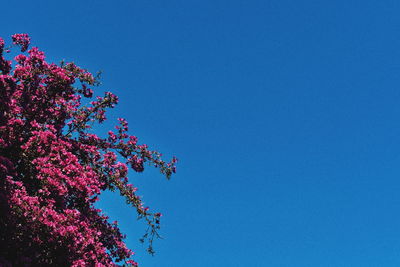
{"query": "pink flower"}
pixel 21 39
pixel 53 168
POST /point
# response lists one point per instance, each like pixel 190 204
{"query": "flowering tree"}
pixel 52 168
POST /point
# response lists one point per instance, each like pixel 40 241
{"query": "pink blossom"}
pixel 21 39
pixel 53 168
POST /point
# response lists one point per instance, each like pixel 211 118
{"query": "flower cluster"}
pixel 53 169
pixel 21 39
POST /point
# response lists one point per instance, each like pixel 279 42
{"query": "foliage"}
pixel 52 168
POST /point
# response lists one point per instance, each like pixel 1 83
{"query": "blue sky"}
pixel 284 115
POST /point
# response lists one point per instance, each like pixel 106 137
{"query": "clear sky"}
pixel 284 115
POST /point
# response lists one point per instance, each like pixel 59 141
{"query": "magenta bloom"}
pixel 21 39
pixel 53 168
